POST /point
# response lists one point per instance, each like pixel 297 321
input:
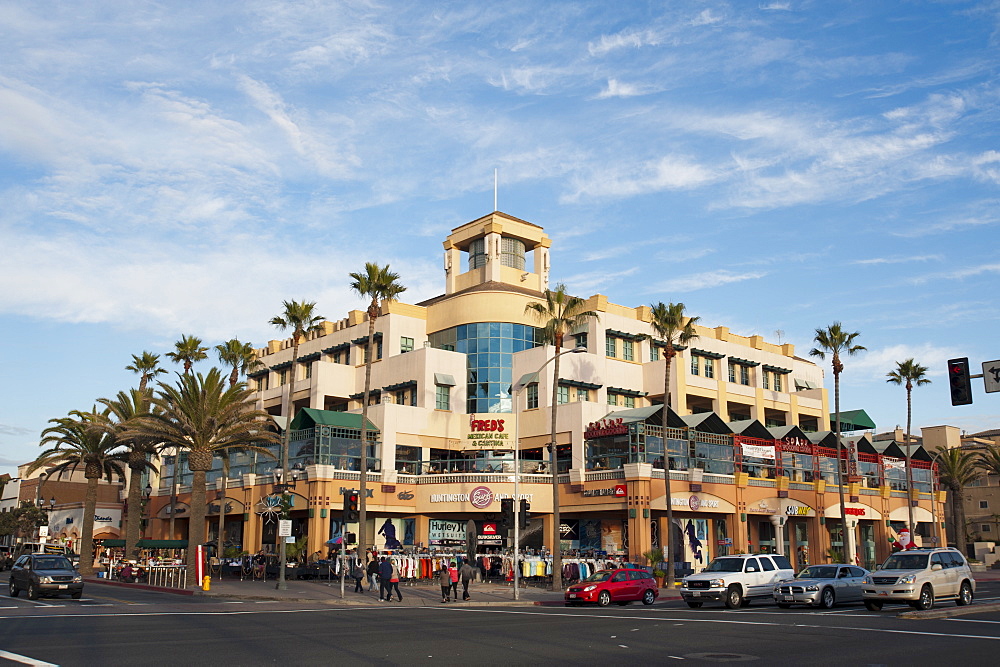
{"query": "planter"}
pixel 660 581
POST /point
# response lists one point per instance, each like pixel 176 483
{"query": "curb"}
pixel 141 587
pixel 948 613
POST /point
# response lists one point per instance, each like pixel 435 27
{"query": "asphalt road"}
pixel 112 626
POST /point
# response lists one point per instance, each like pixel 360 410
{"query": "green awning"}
pixel 853 420
pixel 311 417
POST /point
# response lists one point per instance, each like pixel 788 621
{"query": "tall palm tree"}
pixel 82 439
pixel 237 355
pixel 378 284
pixel 559 315
pixel 675 328
pixel 202 416
pixel 301 318
pixel 187 351
pixel 909 373
pixel 124 409
pixel 835 341
pixel 147 366
pixel 956 470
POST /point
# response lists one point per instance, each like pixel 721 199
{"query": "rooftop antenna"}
pixel 495 189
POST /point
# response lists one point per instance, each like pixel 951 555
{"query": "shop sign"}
pixel 893 464
pixel 758 451
pixel 761 508
pixel 796 510
pixel 854 511
pixel 800 445
pixel 489 535
pixel 446 532
pixel 725 542
pixel 489 433
pixel 618 491
pixel 694 503
pixel 605 427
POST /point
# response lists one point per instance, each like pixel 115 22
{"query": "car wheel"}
pixel 733 597
pixel 784 605
pixel 12 589
pixel 827 598
pixel 926 599
pixel 604 599
pixel 964 595
pixel 648 597
pixel 32 592
pixel 873 605
pixel 77 595
pixel 695 604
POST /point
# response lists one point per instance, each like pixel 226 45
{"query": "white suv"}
pixel 736 579
pixel 920 577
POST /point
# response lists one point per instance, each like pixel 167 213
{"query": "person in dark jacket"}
pixel 358 573
pixel 444 578
pixel 467 573
pixel 384 575
pixel 372 573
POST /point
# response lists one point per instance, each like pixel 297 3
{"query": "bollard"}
pixel 206 583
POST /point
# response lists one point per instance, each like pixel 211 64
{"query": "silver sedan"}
pixel 821 586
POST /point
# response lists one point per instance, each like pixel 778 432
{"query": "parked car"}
pixel 45 574
pixel 920 577
pixel 736 580
pixel 822 586
pixel 621 586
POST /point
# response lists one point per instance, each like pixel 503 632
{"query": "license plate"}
pixel 883 594
pixel 696 594
pixel 572 595
pixel 788 598
pixel 63 587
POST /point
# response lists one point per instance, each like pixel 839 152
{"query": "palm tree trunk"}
pixel 669 537
pixel 848 555
pixel 909 466
pixel 87 538
pixel 554 460
pixel 363 477
pixel 196 525
pixel 221 539
pixel 133 521
pixel 961 534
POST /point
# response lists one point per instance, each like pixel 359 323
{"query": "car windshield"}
pixel 600 575
pixel 52 563
pixel 905 562
pixel 818 572
pixel 725 565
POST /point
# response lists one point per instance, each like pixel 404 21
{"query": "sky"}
pixel 171 168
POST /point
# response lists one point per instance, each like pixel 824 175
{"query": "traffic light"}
pixel 959 382
pixel 351 507
pixel 507 512
pixel 524 514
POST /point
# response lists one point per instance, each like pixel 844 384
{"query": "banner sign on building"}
pixel 489 432
pixel 489 534
pixel 605 427
pixel 618 491
pixel 893 464
pixel 758 451
pixel 446 533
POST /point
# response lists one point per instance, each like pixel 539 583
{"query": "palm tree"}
pixel 147 366
pixel 204 417
pixel 82 439
pixel 378 284
pixel 956 470
pixel 301 318
pixel 187 351
pixel 835 341
pixel 124 409
pixel 559 315
pixel 909 373
pixel 675 328
pixel 239 356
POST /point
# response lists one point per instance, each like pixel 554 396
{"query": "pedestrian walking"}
pixel 453 573
pixel 358 573
pixel 372 574
pixel 384 575
pixel 393 583
pixel 467 574
pixel 444 578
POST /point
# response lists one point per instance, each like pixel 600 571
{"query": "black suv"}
pixel 45 574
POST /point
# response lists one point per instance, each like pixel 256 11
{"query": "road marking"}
pixel 25 660
pixel 970 620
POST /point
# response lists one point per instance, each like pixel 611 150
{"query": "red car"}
pixel 621 586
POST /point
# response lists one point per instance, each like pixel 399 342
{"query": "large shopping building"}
pixel 751 459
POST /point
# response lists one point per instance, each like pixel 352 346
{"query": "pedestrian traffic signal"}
pixel 351 514
pixel 507 512
pixel 524 514
pixel 959 382
pixel 350 538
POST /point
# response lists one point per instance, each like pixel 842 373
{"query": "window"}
pixel 400 398
pixel 405 344
pixel 709 367
pixel 694 364
pixel 630 401
pixel 732 372
pixel 765 379
pixel 581 339
pixel 610 347
pixel 654 352
pixel 767 564
pixel 628 350
pixel 562 395
pixel 777 381
pixel 262 382
pixel 582 394
pixel 532 396
pixel 282 377
pixel 985 528
pixel 307 371
pixel 744 375
pixel 612 399
pixel 984 504
pixel 442 398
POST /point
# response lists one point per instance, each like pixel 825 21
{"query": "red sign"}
pixel 481 497
pixel 489 528
pixel 620 491
pixel 854 511
pixel 800 445
pixel 605 427
pixel 694 502
pixel 486 425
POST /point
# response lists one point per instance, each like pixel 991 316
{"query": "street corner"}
pixel 950 612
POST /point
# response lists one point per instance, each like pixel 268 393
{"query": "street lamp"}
pixel 515 390
pixel 282 487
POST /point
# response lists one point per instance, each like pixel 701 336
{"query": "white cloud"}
pixel 628 39
pixel 616 88
pixel 705 280
pixel 705 17
pixel 671 172
pixel 873 364
pixel 899 260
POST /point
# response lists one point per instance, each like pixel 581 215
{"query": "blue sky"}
pixel 181 168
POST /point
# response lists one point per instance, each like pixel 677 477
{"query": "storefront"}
pixel 865 524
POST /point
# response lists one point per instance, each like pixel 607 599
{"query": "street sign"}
pixel 43 531
pixel 991 376
pixel 284 527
